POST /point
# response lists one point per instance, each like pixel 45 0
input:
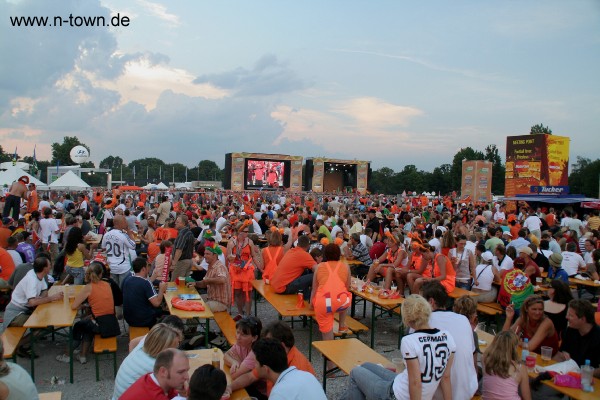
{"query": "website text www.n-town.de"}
pixel 71 20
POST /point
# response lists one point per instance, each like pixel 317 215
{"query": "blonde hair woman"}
pixel 503 375
pixel 141 360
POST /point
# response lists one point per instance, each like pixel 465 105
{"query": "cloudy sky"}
pixel 394 82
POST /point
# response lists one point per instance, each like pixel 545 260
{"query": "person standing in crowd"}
pixel 119 243
pixel 184 249
pixel 12 203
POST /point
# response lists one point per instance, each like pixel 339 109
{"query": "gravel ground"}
pixel 52 375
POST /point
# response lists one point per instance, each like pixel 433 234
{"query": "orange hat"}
pixel 511 217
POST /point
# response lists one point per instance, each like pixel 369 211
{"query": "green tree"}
pixel 585 176
pixel 440 180
pixel 60 152
pixel 4 157
pixel 381 180
pixel 540 129
pixel 111 162
pixel 209 171
pixel 498 169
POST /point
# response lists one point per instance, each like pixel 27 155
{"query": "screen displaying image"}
pixel 265 173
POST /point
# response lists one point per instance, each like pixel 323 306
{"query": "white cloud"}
pixel 143 82
pixel 160 12
pixel 366 126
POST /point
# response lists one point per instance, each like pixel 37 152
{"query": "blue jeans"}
pixel 303 282
pixel 77 274
pixel 370 381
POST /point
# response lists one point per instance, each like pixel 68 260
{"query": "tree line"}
pixel 583 179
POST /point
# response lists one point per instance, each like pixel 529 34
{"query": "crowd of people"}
pixel 420 249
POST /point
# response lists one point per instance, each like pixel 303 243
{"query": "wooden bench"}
pixel 10 340
pixel 354 327
pixel 495 306
pixel 137 331
pixel 227 326
pixel 51 396
pixel 487 310
pixel 105 346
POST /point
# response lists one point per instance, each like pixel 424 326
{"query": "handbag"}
pixel 108 326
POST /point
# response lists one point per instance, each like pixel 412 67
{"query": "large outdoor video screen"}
pixel 265 173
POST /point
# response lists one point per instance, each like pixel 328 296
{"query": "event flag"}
pixel 34 166
pixel 14 159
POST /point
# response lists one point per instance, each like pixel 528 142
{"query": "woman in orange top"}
pixel 393 257
pixel 442 269
pixel 242 256
pixel 99 295
pixel 273 253
pixel 322 288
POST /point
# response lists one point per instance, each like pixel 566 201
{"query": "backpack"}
pixel 333 293
pixel 271 264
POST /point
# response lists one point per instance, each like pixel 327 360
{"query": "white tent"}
pixel 183 185
pixel 162 186
pixel 14 173
pixel 69 181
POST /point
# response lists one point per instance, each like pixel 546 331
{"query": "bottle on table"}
pixel 525 350
pixel 216 360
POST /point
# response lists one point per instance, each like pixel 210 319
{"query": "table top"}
pixel 460 292
pixel 285 304
pixel 349 353
pixel 57 313
pixel 198 358
pixel 350 262
pixel 374 297
pixel 206 314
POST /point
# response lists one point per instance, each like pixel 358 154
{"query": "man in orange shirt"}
pixel 290 276
pixel 32 198
pixel 8 266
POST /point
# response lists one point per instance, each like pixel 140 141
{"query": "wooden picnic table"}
pixel 346 354
pixel 199 358
pixel 460 292
pixel 378 303
pixel 206 314
pixel 57 314
pixel 285 305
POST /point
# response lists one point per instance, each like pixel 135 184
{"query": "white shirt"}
pixel 506 264
pixel 435 242
pixel 16 256
pixel 119 249
pixel 463 375
pixel 572 262
pixel 294 384
pixel 436 352
pixel 499 215
pixel 28 288
pixel 43 204
pixel 533 223
pixel 485 277
pixel 49 230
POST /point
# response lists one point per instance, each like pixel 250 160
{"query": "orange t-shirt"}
pixel 7 264
pixel 450 282
pixel 291 266
pixel 153 251
pixel 32 201
pixel 268 253
pixel 514 231
pixel 101 299
pixel 551 219
pixel 5 233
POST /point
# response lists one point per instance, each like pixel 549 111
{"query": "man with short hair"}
pixel 533 223
pixel 18 191
pixel 30 292
pixel 183 248
pixel 119 245
pixel 171 372
pixel 464 373
pixel 581 339
pixel 163 211
pixel 359 252
pixel 290 382
pixel 141 303
pixel 521 241
pixel 291 274
pixel 572 262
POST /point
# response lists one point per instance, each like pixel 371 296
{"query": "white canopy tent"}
pixel 154 186
pixel 12 174
pixel 69 181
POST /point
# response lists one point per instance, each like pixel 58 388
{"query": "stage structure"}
pixel 537 163
pixel 477 180
pixel 258 171
pixel 333 175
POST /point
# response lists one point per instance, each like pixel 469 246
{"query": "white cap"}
pixel 487 256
